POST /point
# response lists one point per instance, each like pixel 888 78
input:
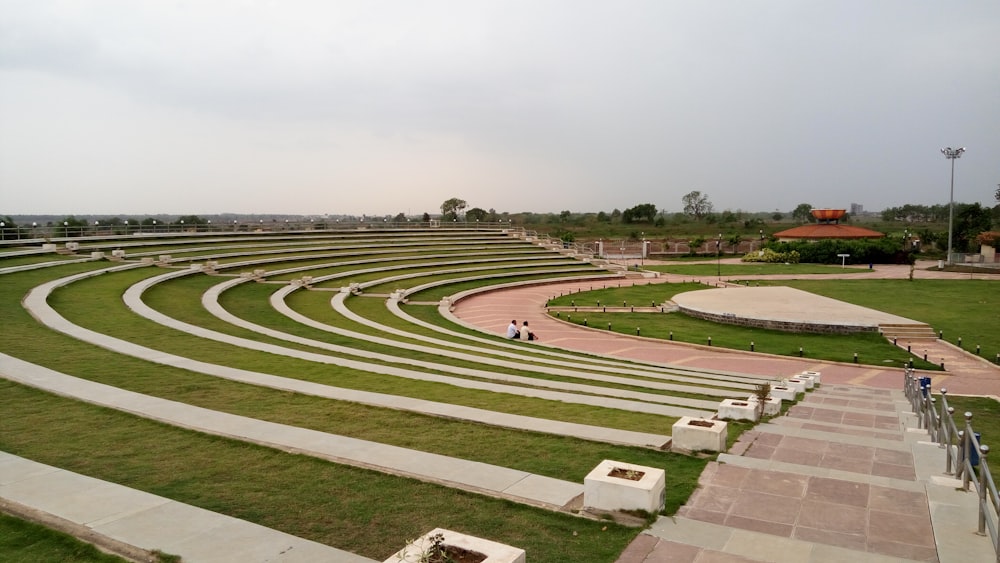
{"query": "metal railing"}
pixel 964 454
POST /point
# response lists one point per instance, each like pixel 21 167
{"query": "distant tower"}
pixel 857 209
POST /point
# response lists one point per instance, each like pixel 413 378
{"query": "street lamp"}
pixel 951 154
pixel 642 251
pixel 718 255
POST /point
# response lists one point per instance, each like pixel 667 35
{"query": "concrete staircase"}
pixel 844 476
pixel 914 331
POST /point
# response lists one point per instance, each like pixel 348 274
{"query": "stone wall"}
pixel 786 326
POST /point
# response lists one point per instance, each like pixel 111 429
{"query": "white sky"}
pixel 386 106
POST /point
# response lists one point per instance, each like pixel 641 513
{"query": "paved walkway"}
pixel 965 373
pixel 844 477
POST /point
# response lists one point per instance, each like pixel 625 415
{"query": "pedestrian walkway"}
pixel 492 480
pixel 133 523
pixel 844 477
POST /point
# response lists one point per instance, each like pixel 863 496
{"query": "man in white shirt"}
pixel 512 331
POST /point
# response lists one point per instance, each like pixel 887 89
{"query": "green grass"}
pixel 22 541
pixel 985 418
pixel 751 269
pixel 870 347
pixel 969 309
pixel 358 510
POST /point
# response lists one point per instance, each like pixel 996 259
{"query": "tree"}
pixel 452 207
pixel 476 214
pixel 970 220
pixel 426 218
pixel 399 218
pixel 735 241
pixel 696 204
pixel 803 213
pixel 777 216
pixel 642 213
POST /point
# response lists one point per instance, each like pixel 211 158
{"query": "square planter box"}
pixel 799 385
pixel 772 405
pixel 691 434
pixel 494 552
pixel 817 376
pixel 809 380
pixel 615 485
pixel 783 392
pixel 733 409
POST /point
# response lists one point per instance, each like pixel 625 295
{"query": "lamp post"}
pixel 718 255
pixel 951 154
pixel 642 251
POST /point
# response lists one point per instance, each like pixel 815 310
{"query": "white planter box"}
pixel 604 491
pixel 73 246
pixel 691 434
pixel 164 258
pixel 733 409
pixel 783 392
pixel 809 380
pixel 494 552
pixel 799 385
pixel 97 255
pixel 817 376
pixel 772 405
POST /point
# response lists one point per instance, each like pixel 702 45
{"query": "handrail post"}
pixel 949 453
pixel 983 503
pixel 944 425
pixel 966 448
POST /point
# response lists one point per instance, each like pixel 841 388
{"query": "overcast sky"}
pixel 382 106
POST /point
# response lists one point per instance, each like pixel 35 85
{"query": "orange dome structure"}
pixel 827 215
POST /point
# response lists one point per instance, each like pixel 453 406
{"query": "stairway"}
pixel 843 476
pixel 914 331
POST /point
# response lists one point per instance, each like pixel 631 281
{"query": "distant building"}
pixel 827 227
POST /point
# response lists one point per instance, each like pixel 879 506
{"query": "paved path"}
pixel 965 373
pixel 843 477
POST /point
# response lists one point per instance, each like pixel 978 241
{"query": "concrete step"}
pixel 721 541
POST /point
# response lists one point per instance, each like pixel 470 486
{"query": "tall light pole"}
pixel 951 154
pixel 718 256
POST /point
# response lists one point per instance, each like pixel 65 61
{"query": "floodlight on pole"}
pixel 951 154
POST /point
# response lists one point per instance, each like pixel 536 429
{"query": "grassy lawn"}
pixel 354 509
pixel 871 348
pixel 26 542
pixel 752 269
pixel 969 309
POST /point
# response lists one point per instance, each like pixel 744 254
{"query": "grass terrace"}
pixel 361 510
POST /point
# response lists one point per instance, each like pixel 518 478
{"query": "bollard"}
pixel 572 303
pixel 598 302
pixel 637 331
pixel 911 363
pixel 940 334
pixel 893 340
pixel 855 357
pixel 959 341
pixel 652 303
pixel 942 363
pixel 609 326
pixel 558 315
pixel 584 322
pixel 569 318
pixel 624 304
pixel 800 351
pixel 709 340
pixel 751 345
pixel 632 310
pixel 907 348
pixel 977 349
pixel 672 337
pixel 998 359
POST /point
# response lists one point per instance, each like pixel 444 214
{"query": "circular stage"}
pixel 783 308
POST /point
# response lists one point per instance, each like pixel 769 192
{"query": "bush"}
pixel 862 251
pixel 772 257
